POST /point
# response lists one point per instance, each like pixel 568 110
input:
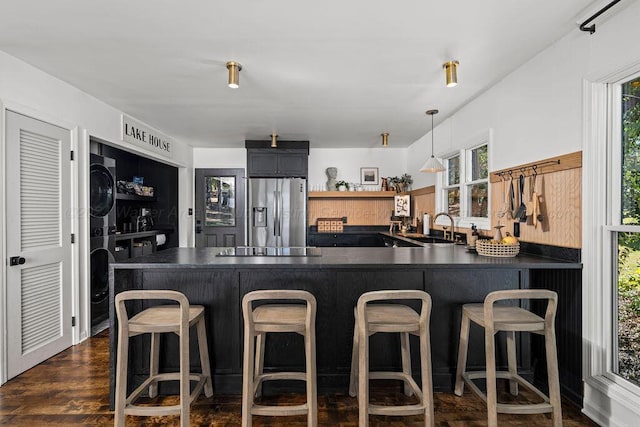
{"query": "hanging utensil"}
pixel 535 215
pixel 512 198
pixel 503 209
pixel 521 213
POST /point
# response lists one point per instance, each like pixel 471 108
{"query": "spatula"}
pixel 521 213
pixel 512 200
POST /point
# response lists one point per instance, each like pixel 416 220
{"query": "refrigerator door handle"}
pixel 276 215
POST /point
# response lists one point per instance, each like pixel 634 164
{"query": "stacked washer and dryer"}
pixel 102 231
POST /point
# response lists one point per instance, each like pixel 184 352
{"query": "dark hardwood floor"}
pixel 71 389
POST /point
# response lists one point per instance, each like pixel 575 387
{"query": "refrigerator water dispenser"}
pixel 259 217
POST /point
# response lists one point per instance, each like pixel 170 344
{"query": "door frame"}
pixel 77 218
pixel 241 188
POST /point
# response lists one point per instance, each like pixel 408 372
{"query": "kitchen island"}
pixel 337 277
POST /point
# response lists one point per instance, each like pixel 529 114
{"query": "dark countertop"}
pixel 125 236
pixel 431 255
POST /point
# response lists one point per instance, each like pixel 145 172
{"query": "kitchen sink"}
pixel 430 239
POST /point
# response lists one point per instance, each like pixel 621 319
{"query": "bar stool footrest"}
pixel 396 410
pixel 147 410
pixel 510 408
pixel 280 410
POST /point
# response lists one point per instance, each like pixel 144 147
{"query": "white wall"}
pixel 389 161
pixel 232 158
pixel 536 111
pixel 348 161
pixel 539 111
pixel 29 91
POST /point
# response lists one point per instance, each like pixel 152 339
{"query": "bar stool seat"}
pixel 494 318
pixel 155 320
pixel 276 317
pixel 392 318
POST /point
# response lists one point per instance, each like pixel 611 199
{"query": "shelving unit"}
pixel 351 194
pixel 135 197
pixel 130 244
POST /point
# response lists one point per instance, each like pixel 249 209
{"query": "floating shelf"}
pixel 351 194
pixel 135 197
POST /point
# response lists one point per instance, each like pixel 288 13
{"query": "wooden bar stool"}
pixel 494 318
pixel 398 318
pixel 155 320
pixel 277 317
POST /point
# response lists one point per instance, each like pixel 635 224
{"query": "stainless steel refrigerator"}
pixel 277 210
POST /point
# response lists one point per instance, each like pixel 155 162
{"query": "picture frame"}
pixel 402 205
pixel 369 176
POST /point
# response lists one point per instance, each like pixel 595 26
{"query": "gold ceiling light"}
pixel 234 74
pixel 451 71
pixel 432 164
pixel 385 139
pixel 274 141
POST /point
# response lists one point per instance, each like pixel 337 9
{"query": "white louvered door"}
pixel 38 241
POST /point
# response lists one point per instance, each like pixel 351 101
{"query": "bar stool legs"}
pixel 178 319
pixel 398 318
pixel 510 319
pixel 272 317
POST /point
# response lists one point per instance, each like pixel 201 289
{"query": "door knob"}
pixel 17 260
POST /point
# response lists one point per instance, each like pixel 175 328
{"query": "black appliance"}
pixel 102 250
pixel 102 193
pixel 102 230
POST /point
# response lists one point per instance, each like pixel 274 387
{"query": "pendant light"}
pixel 234 74
pixel 274 141
pixel 432 164
pixel 385 139
pixel 451 72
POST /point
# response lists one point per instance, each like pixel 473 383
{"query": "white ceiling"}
pixel 336 73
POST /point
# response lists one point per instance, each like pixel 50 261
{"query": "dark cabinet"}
pixel 290 159
pixel 346 239
pixel 277 163
pixel 132 245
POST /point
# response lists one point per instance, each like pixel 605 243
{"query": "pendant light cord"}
pixel 432 135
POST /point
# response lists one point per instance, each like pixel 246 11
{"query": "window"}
pixel 220 201
pixel 625 226
pixel 465 186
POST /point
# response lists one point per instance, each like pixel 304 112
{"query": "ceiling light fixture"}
pixel 385 139
pixel 274 142
pixel 451 71
pixel 432 164
pixel 234 74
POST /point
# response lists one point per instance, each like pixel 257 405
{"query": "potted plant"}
pixel 402 183
pixel 342 185
pixel 406 181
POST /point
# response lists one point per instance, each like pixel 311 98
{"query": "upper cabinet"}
pixel 289 159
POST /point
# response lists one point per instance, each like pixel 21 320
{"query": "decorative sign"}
pixel 402 205
pixel 143 136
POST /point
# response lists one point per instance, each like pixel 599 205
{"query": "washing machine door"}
pixel 102 191
pixel 100 260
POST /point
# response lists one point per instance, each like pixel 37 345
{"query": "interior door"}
pixel 39 287
pixel 219 207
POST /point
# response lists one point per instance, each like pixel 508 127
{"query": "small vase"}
pixel 342 188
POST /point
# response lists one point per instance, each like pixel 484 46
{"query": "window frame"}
pixel 442 186
pixel 608 398
pixel 612 227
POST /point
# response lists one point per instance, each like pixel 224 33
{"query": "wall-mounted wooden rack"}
pixel 553 164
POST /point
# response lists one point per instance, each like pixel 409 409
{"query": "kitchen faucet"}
pixel 451 233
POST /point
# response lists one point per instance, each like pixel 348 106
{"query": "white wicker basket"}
pixel 483 247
